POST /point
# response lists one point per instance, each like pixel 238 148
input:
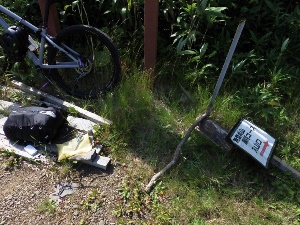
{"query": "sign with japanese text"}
pixel 253 140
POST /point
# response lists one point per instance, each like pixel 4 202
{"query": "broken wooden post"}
pixel 150 35
pixel 53 21
pixel 222 143
pixel 222 134
pixel 215 133
pixel 283 166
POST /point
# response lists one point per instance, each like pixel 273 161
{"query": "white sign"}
pixel 253 140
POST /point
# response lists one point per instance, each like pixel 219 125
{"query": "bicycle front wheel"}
pixel 100 69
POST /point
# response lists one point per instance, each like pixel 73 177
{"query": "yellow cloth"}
pixel 74 147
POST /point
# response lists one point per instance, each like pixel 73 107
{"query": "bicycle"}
pixel 81 60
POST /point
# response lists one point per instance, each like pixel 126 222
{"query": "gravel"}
pixel 26 186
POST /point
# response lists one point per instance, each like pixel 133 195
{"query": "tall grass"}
pixel 208 185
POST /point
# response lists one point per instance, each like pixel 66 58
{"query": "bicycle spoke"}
pixel 100 62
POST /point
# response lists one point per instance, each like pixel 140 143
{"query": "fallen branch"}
pixel 176 153
pixel 209 109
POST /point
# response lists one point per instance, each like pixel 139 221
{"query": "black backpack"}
pixel 33 124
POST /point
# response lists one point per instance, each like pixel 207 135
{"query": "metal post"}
pixel 226 64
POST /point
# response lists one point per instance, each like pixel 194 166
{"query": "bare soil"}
pixel 25 186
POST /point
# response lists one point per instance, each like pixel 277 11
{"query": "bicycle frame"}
pixel 42 32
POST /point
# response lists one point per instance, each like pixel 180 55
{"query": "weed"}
pixel 17 97
pixel 133 200
pixel 93 201
pixel 4 112
pixel 64 169
pixel 12 160
pixel 207 186
pixel 47 206
pixel 73 111
pixel 11 163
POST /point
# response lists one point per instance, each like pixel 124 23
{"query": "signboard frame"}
pixel 253 140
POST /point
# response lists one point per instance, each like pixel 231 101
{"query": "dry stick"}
pixel 209 110
pixel 176 153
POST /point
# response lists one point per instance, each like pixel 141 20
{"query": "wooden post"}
pixel 150 35
pixel 53 21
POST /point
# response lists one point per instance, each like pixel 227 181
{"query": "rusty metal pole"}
pixel 150 35
pixel 53 21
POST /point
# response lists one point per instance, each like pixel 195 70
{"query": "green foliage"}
pixel 13 161
pixel 73 111
pixel 28 9
pixel 93 201
pixel 260 101
pixel 127 14
pixel 131 104
pixel 135 203
pixel 47 206
pixel 16 6
pixel 191 19
pixel 151 116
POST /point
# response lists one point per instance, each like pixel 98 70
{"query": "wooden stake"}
pixel 150 35
pixel 53 20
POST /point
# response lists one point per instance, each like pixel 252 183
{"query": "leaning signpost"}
pixel 244 135
pixel 225 140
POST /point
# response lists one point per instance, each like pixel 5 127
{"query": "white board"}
pixel 253 140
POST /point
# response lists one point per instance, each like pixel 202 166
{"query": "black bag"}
pixel 33 124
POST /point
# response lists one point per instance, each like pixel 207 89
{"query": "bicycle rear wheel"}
pixel 100 58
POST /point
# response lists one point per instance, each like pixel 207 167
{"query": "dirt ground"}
pixel 25 186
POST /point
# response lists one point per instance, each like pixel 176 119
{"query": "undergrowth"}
pixel 151 115
pixel 208 185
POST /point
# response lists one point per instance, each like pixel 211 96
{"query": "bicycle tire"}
pixel 101 70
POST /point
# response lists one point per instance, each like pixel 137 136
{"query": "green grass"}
pixel 47 206
pixel 208 185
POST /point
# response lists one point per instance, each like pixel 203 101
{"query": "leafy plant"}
pixel 93 201
pixel 260 101
pixel 192 24
pixel 150 116
pixel 17 97
pixel 64 169
pixel 73 111
pixel 12 160
pixel 48 206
